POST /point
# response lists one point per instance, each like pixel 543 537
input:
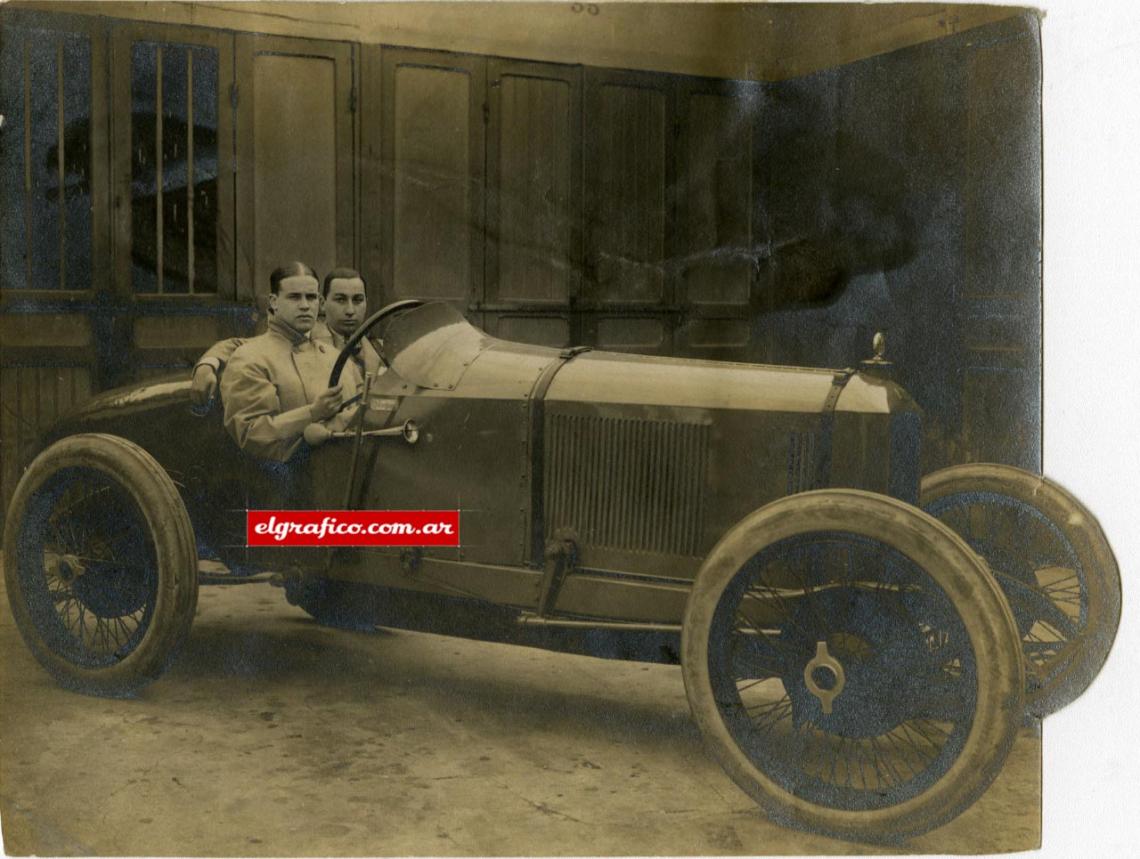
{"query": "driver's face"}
pixel 346 305
pixel 296 301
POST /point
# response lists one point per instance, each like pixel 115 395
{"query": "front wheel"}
pixel 100 564
pixel 852 665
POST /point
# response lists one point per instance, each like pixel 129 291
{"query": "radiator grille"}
pixel 627 483
pixel 801 462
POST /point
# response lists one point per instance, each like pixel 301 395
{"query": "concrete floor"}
pixel 274 736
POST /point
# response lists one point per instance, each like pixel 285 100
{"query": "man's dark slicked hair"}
pixel 290 269
pixel 341 274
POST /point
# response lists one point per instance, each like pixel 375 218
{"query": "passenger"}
pixel 345 304
pixel 204 381
pixel 275 384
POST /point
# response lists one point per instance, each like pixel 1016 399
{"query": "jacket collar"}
pixel 338 341
pixel 283 329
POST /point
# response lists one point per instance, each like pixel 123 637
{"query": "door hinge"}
pixel 234 96
pixel 352 100
pixel 486 113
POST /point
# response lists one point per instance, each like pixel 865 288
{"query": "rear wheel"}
pixel 100 564
pixel 1052 560
pixel 852 665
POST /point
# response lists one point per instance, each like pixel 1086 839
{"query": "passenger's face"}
pixel 346 305
pixel 296 301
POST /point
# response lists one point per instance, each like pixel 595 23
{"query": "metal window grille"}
pixel 174 166
pixel 45 160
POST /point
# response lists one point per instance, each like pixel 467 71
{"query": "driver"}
pixel 276 384
pixel 345 303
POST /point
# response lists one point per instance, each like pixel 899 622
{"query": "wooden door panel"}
pixel 643 334
pixel 715 199
pixel 534 179
pixel 296 168
pixel 294 125
pixel 629 150
pixel 546 329
pixel 432 106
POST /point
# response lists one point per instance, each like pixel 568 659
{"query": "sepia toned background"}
pixel 123 308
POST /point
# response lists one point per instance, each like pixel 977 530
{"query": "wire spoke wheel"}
pixel 94 592
pixel 847 676
pixel 100 564
pixel 1051 560
pixel 853 665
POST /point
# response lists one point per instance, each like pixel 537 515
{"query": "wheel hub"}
pixel 68 568
pixel 111 591
pixel 856 671
pixel 824 676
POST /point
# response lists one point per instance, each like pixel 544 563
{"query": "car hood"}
pixel 433 346
pixel 607 377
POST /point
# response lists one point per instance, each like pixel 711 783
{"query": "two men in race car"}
pixel 276 384
pixel 345 304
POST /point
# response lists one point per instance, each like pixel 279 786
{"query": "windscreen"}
pixel 433 345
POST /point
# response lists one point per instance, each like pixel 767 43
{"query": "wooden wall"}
pixel 645 205
pixel 562 204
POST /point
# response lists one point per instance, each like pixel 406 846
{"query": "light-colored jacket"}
pixel 366 358
pixel 269 384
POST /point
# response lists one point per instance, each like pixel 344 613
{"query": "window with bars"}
pixel 45 160
pixel 174 168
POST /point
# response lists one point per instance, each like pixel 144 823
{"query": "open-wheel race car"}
pixel 859 644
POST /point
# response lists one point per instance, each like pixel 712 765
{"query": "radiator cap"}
pixel 877 365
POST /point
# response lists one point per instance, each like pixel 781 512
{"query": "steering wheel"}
pixel 361 332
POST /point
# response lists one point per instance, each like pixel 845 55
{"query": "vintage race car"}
pixel 858 644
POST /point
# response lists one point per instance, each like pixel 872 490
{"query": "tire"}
pixel 868 600
pixel 341 605
pixel 1053 562
pixel 97 534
